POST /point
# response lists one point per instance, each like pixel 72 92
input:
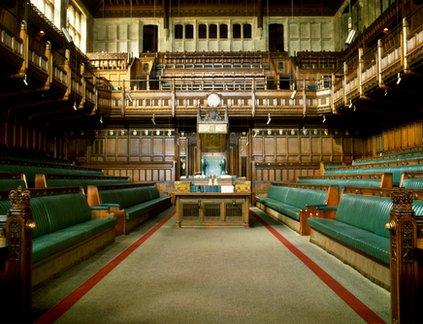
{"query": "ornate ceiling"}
pixel 173 8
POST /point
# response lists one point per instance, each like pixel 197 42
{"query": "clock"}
pixel 213 100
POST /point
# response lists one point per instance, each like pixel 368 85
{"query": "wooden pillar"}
pixel 16 276
pixel 406 273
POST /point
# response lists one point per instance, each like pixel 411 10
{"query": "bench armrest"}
pixel 110 205
pixel 322 207
pixel 100 207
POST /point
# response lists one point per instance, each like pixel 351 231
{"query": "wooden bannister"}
pixel 406 259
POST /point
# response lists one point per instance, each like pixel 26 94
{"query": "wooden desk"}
pixel 212 208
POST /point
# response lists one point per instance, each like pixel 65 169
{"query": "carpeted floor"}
pixel 212 275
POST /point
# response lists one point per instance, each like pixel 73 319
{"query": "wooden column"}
pixel 16 276
pixel 406 261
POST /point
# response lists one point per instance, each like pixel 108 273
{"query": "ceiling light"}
pixel 350 37
pixel 25 80
pixel 74 106
pixel 293 94
pixel 399 78
pixel 153 120
pixel 324 119
pixel 268 119
pixel 128 96
pixel 134 132
pixel 101 119
pixel 350 104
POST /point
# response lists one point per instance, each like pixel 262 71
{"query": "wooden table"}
pixel 212 208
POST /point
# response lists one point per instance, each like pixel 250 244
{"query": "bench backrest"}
pixel 366 212
pixel 395 170
pixel 55 212
pixel 373 183
pixel 127 197
pixel 298 197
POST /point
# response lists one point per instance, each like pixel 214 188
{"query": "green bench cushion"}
pixel 290 201
pixel 129 197
pixel 4 207
pixel 49 244
pixel 9 184
pixel 371 244
pixel 370 183
pixel 369 213
pixel 83 182
pixel 142 208
pixel 64 210
pixel 396 171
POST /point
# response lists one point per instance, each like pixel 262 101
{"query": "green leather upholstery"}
pixel 395 170
pixel 4 207
pixel 387 159
pixel 291 200
pixel 354 237
pixel 31 170
pixel 9 184
pixel 61 222
pixel 135 201
pixel 84 182
pixel 369 183
pixel 413 183
pixel 360 224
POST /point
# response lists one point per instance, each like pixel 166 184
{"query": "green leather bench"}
pixel 389 158
pixel 396 171
pixel 291 200
pixel 30 170
pixel 136 202
pixel 65 232
pixel 412 180
pixel 288 203
pixel 360 223
pixel 9 181
pixel 368 183
pixel 63 180
pixel 357 234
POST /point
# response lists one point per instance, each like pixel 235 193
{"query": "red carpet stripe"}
pixel 63 306
pixel 357 305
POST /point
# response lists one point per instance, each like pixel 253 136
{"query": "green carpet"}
pixel 212 275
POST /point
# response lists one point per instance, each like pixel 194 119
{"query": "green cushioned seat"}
pixel 65 210
pixel 357 238
pixel 4 207
pixel 413 183
pixel 291 200
pixel 145 207
pixel 360 224
pixel 370 183
pixel 49 244
pixel 9 184
pixel 83 182
pixel 396 171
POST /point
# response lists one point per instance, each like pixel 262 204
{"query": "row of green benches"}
pixel 9 181
pixel 392 157
pixel 69 227
pixel 356 220
pixel 409 180
pixel 30 169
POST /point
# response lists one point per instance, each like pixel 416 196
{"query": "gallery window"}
pixel 77 25
pixel 189 31
pixel 212 31
pixel 246 30
pixel 202 31
pixel 179 31
pixel 236 31
pixel 223 31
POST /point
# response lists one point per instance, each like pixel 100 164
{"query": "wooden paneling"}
pixel 285 154
pixel 142 155
pixel 402 137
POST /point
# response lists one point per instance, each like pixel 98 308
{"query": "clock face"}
pixel 213 100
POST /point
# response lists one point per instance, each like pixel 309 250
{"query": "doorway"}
pixel 149 38
pixel 276 38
